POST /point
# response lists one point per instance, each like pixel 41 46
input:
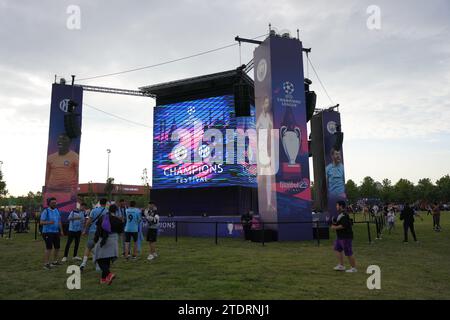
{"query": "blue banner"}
pixel 284 193
pixel 61 179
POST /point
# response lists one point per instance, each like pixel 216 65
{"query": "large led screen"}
pixel 200 143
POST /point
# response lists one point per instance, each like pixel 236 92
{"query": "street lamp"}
pixel 108 151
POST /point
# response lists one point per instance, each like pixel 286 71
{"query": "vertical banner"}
pixel 61 178
pixel 284 193
pixel 334 161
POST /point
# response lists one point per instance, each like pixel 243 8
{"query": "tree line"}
pixel 403 191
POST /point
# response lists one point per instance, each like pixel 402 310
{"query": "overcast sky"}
pixel 393 83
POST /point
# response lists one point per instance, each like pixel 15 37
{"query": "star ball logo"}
pixel 261 70
pixel 204 151
pixel 180 153
pixel 191 110
pixel 288 88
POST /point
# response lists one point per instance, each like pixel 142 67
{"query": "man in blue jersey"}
pixel 134 217
pixel 51 231
pixel 76 223
pixel 90 229
pixel 335 175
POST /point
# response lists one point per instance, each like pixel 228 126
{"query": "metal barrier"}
pixel 263 228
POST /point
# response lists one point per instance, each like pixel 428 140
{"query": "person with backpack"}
pixel 134 216
pixel 91 228
pixel 76 220
pixel 152 218
pixel 51 231
pixel 108 228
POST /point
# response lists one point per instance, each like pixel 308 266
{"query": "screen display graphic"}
pixel 188 135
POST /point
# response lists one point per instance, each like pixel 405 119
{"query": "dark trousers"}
pixel 247 232
pixel 73 235
pixel 104 264
pixel 436 221
pixel 409 226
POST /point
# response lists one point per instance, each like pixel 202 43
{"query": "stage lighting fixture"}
pixel 204 214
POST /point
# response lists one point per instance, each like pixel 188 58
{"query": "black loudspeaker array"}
pixel 72 122
pixel 311 99
pixel 242 99
pixel 318 155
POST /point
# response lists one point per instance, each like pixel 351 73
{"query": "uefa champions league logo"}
pixel 261 70
pixel 288 88
pixel 64 105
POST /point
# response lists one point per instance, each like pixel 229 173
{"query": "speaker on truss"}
pixel 71 123
pixel 242 99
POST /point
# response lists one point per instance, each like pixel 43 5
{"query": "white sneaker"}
pixel 339 267
pixel 77 259
pixel 64 259
pixel 150 257
pixel 351 270
pixel 155 255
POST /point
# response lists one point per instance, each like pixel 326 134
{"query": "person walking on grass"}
pixel 76 222
pixel 134 217
pixel 152 218
pixel 436 217
pixel 344 233
pixel 391 219
pixel 407 215
pixel 51 231
pixel 91 228
pixel 108 228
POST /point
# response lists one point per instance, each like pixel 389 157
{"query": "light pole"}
pixel 108 151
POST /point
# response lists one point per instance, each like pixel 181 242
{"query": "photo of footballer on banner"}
pixel 334 164
pixel 61 178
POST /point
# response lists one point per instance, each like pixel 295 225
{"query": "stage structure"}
pixel 202 165
pixel 223 144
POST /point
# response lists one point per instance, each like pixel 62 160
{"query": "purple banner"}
pixel 284 193
pixel 61 179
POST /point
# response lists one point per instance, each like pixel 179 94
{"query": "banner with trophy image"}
pixel 284 193
pixel 61 178
pixel 334 160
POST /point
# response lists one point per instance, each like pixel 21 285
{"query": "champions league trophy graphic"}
pixel 291 143
pixel 230 227
pixel 291 138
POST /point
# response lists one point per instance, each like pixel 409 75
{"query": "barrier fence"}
pixel 379 223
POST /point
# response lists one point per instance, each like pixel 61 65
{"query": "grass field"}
pixel 196 268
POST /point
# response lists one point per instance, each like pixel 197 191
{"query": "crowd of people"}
pixel 108 227
pixel 19 221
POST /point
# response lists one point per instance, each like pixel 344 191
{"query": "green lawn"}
pixel 196 268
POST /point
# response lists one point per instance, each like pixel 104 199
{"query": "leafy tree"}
pixel 368 188
pixel 426 191
pixel 404 191
pixel 443 189
pixel 109 187
pixel 352 191
pixel 387 191
pixel 3 191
